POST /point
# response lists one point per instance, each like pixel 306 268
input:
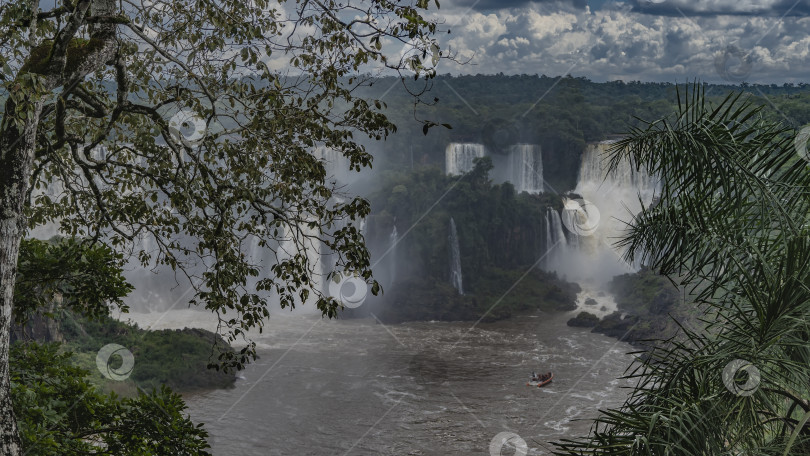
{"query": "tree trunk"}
pixel 16 158
pixel 17 147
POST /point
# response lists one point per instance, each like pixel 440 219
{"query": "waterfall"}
pixel 146 241
pixel 556 244
pixel 393 239
pixel 554 232
pixel 549 243
pixel 526 168
pixel 593 175
pixel 597 221
pixel 459 157
pixel 361 226
pixel 455 260
pixel 54 191
pixel 335 163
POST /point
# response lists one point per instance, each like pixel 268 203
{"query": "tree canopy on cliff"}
pixel 193 123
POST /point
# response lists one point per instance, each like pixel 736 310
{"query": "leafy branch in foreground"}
pixel 732 225
pixel 194 124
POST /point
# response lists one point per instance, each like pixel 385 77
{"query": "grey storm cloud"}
pixel 722 7
pixel 488 5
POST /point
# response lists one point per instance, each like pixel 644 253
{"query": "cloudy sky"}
pixel 765 41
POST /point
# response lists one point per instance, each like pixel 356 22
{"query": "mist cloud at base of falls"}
pixel 617 196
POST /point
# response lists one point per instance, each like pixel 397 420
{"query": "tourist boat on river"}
pixel 541 380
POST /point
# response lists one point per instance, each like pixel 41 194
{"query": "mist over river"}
pixel 358 387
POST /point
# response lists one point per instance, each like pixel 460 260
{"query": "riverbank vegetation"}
pixel 650 308
pixel 65 399
pixel 61 411
pixel 66 289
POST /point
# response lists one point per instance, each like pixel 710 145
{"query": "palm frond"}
pixel 731 225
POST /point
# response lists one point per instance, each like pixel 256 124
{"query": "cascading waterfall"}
pixel 335 163
pixel 556 242
pixel 54 191
pixel 361 226
pixel 549 243
pixel 623 178
pixel 559 240
pixel 459 157
pixel 146 241
pixel 526 168
pixel 596 223
pixel 455 259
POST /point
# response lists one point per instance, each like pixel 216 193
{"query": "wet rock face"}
pixel 584 320
pixel 37 328
pixel 614 325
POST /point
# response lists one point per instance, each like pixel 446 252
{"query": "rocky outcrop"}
pixel 37 328
pixel 584 320
pixel 618 325
pixel 650 308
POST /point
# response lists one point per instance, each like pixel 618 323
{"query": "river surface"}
pixel 359 387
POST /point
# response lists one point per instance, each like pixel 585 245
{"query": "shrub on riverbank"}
pixel 174 358
pixel 65 289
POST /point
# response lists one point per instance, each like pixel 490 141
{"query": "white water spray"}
pixel 459 157
pixel 525 168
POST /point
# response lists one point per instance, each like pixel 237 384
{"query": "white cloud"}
pixel 484 26
pixel 618 42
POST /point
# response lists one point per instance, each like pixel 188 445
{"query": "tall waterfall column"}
pixel 526 168
pixel 393 239
pixel 455 259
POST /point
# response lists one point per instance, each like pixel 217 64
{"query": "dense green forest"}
pixel 561 114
